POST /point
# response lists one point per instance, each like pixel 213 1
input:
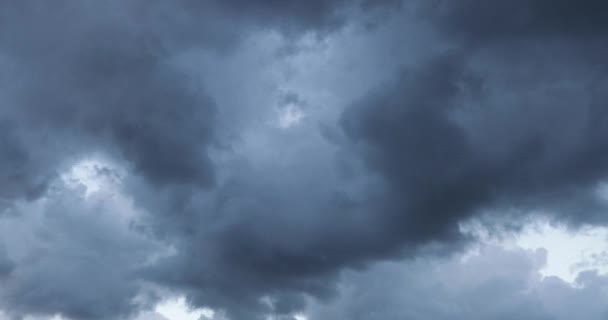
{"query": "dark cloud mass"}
pixel 6 265
pixel 487 110
pixel 103 70
pixel 503 20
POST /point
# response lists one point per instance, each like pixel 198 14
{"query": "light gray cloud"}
pixel 497 283
pixel 75 256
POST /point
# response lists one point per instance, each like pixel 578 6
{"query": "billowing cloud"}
pixel 455 111
pixel 73 255
pixel 99 76
pixel 496 283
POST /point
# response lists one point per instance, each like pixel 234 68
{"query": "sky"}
pixel 303 160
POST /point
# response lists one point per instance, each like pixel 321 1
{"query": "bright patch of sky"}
pixel 568 252
pixel 93 175
pixel 178 309
pixel 289 116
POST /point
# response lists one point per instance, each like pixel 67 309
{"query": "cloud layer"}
pixel 414 119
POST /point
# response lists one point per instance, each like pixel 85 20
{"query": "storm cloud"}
pixel 492 284
pixel 258 156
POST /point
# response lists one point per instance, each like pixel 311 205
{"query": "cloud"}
pixel 6 265
pixel 497 21
pixel 245 218
pixel 151 316
pixel 450 142
pixel 75 256
pixel 496 283
pixel 86 81
pixel 100 77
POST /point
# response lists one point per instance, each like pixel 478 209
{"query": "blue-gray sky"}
pixel 283 158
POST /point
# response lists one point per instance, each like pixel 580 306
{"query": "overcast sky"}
pixel 290 160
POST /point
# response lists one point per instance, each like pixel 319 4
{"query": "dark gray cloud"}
pixel 478 127
pixel 99 76
pixel 6 265
pixel 86 83
pixel 20 175
pixel 495 21
pixel 449 142
pixel 260 218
